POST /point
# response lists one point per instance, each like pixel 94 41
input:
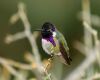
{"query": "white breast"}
pixel 49 48
pixel 46 46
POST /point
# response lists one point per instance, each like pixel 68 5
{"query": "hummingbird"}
pixel 54 43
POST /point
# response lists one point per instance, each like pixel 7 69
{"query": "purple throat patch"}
pixel 51 40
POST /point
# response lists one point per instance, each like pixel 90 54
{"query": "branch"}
pixel 30 37
pixel 79 71
pixel 91 52
pixel 21 14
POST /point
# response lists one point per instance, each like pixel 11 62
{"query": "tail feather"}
pixel 65 55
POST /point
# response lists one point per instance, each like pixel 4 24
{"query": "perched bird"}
pixel 54 43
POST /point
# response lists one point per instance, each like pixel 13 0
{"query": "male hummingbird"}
pixel 54 43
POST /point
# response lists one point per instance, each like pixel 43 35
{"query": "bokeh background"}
pixel 62 13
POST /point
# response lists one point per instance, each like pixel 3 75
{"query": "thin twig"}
pixel 11 38
pixel 87 18
pixel 94 77
pixel 11 69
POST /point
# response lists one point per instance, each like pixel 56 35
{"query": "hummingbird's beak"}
pixel 38 30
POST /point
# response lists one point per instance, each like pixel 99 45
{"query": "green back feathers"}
pixel 63 48
pixel 61 39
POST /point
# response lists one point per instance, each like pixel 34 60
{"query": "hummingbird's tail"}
pixel 65 54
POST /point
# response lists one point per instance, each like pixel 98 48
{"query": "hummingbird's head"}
pixel 48 30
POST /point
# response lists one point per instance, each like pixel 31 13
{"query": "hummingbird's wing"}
pixel 63 47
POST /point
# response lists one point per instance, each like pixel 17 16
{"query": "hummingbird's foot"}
pixel 70 59
pixel 52 56
pixel 49 61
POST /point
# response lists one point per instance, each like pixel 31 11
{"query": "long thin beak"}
pixel 38 30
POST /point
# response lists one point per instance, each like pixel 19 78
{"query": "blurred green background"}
pixel 62 13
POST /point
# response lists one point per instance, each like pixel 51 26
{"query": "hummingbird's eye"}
pixel 49 30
